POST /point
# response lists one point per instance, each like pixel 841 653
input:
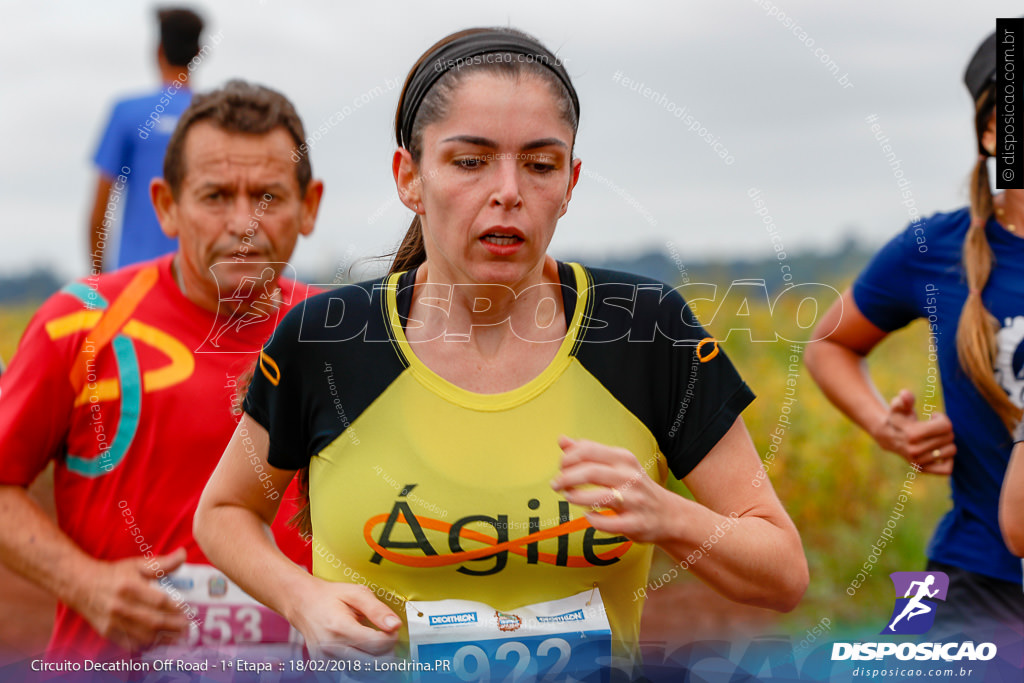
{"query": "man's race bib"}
pixel 224 619
pixel 471 641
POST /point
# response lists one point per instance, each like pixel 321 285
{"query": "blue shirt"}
pixel 131 153
pixel 919 274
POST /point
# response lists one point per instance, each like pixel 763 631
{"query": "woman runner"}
pixel 486 423
pixel 964 272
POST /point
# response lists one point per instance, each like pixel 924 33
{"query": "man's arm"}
pixel 33 547
pixel 118 598
pixel 98 235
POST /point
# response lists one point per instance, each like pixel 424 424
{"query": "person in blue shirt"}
pixel 131 152
pixel 963 272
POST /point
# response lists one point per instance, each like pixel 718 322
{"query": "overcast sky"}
pixel 790 126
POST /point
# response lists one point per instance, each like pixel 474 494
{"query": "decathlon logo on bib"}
pixel 918 598
pixel 568 616
pixel 452 619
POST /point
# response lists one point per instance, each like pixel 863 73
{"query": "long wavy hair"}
pixel 976 333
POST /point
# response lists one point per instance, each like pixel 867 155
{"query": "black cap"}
pixel 981 70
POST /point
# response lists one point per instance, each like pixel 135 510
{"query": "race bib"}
pixel 224 619
pixel 471 641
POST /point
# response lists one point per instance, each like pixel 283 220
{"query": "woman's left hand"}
pixel 598 477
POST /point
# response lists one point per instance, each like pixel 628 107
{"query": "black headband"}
pixel 463 52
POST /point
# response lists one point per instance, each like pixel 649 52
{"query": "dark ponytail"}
pixel 411 252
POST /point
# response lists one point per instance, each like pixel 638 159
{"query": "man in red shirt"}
pixel 130 382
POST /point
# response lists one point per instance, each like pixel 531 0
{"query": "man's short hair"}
pixel 179 34
pixel 238 107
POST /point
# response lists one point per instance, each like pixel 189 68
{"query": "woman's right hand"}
pixel 337 618
pixel 925 443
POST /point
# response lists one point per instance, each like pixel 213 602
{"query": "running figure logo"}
pixel 255 299
pixel 262 300
pixel 914 613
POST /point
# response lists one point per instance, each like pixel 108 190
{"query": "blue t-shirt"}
pixel 920 274
pixel 131 153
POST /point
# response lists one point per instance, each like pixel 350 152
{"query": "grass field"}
pixel 837 485
pixel 12 323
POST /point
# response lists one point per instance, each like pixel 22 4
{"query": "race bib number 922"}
pixel 550 640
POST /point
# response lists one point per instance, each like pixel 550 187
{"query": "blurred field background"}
pixel 836 484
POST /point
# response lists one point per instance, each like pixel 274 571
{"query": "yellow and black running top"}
pixel 427 491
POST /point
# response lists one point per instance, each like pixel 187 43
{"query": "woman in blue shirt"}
pixel 964 273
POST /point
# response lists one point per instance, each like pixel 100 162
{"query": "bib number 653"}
pixel 222 625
